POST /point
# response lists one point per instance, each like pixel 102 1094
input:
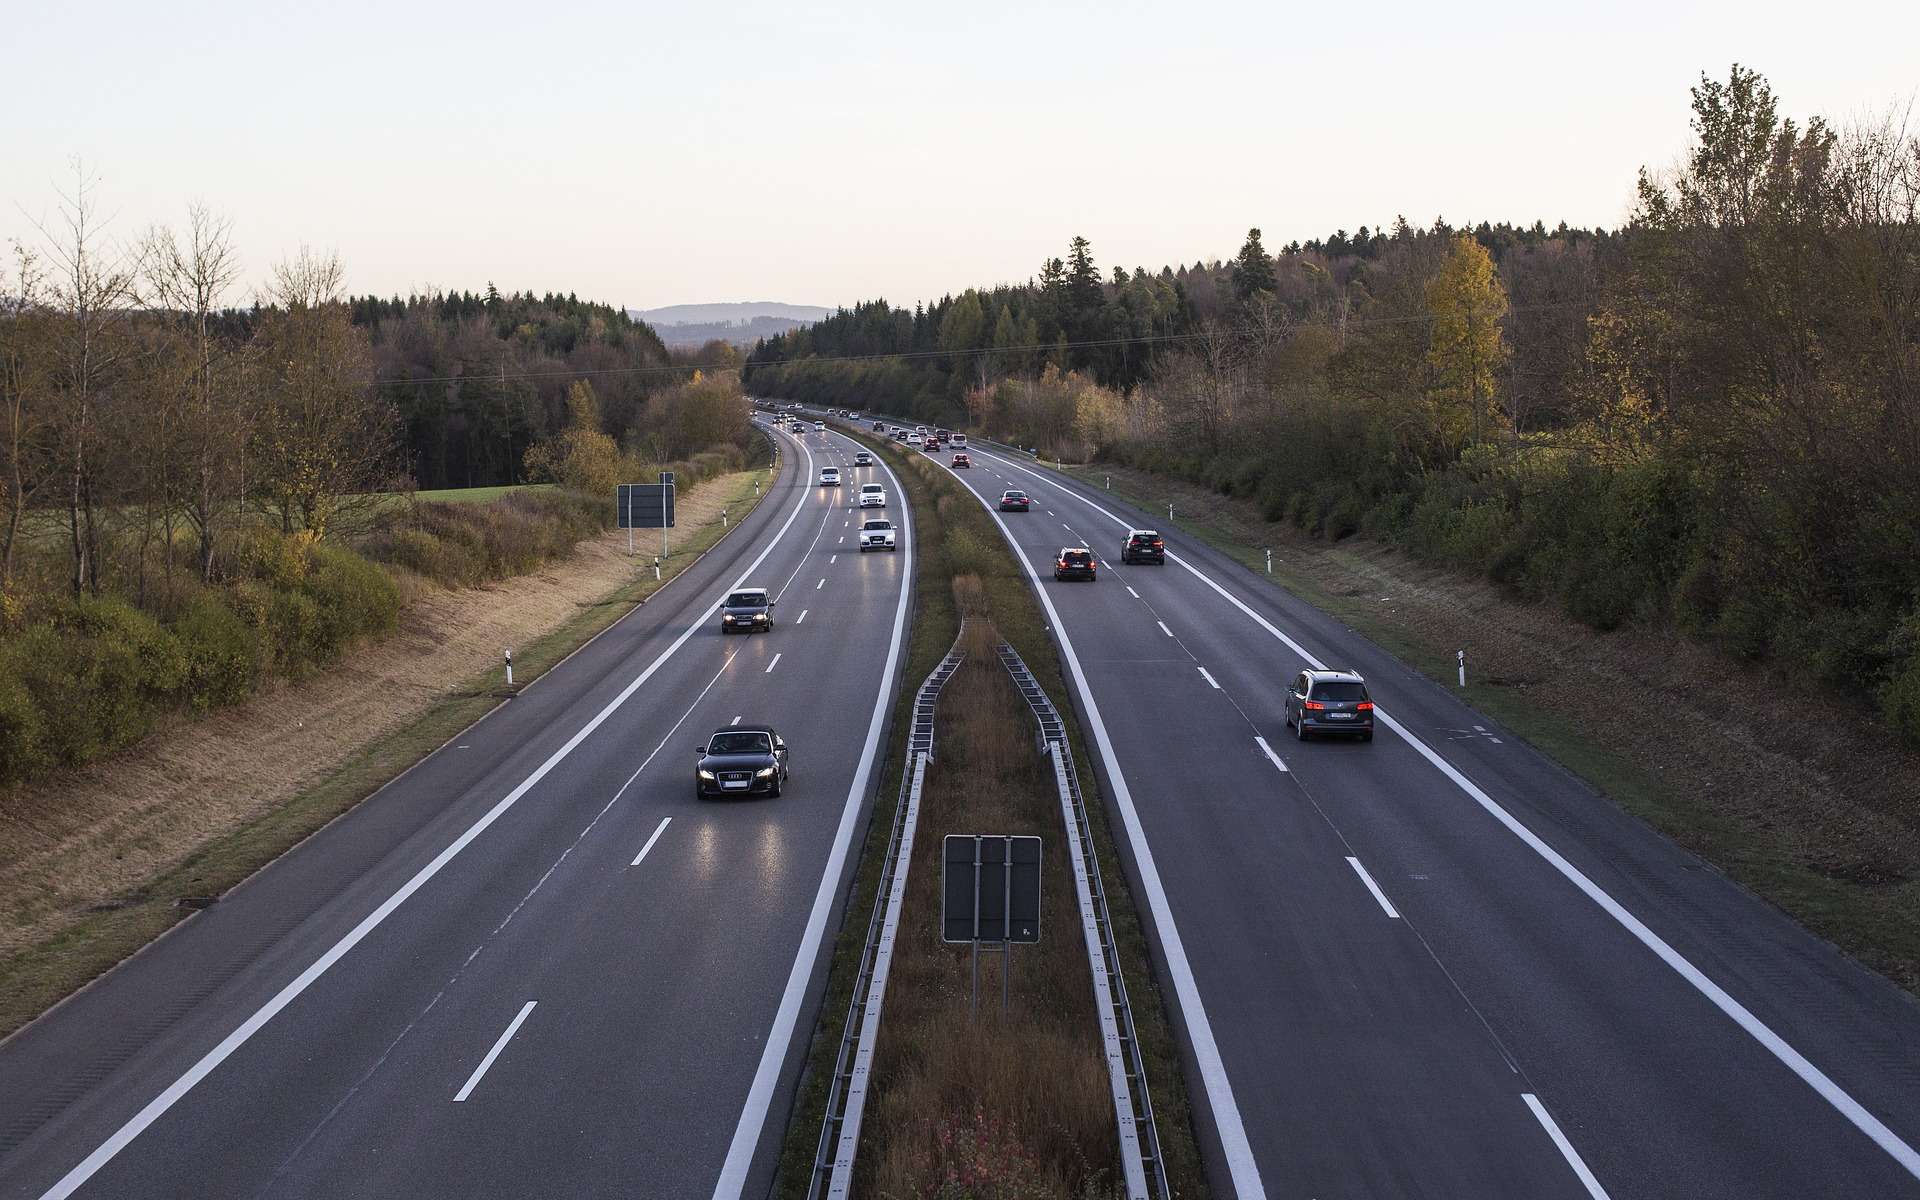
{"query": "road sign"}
pixel 646 505
pixel 984 879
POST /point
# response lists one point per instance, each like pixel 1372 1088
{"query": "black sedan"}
pixel 1075 562
pixel 1013 502
pixel 741 760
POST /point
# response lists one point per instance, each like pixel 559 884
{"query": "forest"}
pixel 1707 419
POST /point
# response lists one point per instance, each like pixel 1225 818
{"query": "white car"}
pixel 958 439
pixel 819 426
pixel 829 476
pixel 877 533
pixel 873 495
pixel 863 459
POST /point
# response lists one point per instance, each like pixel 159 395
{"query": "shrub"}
pixel 222 653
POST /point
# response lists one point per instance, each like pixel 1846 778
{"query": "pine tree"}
pixel 1252 269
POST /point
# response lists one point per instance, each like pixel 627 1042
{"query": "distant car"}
pixel 741 760
pixel 961 460
pixel 941 435
pixel 1329 702
pixel 879 426
pixel 877 533
pixel 873 495
pixel 1143 545
pixel 930 442
pixel 862 459
pixel 1075 562
pixel 829 476
pixel 1014 501
pixel 819 426
pixel 957 440
pixel 746 610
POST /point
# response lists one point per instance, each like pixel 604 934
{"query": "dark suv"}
pixel 741 760
pixel 1075 562
pixel 1143 545
pixel 1330 702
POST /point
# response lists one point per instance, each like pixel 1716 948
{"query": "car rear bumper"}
pixel 1075 573
pixel 1322 725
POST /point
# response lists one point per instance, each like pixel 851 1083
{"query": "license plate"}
pixel 734 783
pixel 1340 716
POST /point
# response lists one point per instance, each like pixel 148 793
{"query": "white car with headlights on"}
pixel 873 495
pixel 878 533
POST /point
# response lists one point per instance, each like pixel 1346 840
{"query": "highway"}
pixel 1438 965
pixel 534 965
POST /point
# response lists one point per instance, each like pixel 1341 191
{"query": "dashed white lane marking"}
pixel 1268 751
pixel 772 665
pixel 1211 681
pixel 833 560
pixel 1064 525
pixel 821 584
pixel 1372 886
pixel 837 541
pixel 664 821
pixel 1566 1148
pixel 494 1053
pixel 1163 628
pixel 803 616
pixel 1131 592
pixel 735 721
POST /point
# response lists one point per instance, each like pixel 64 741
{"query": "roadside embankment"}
pixel 97 861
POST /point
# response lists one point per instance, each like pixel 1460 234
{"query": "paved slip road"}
pixel 1439 965
pixel 469 986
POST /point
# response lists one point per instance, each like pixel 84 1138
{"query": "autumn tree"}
pixel 325 439
pixel 583 456
pixel 1466 347
pixel 29 453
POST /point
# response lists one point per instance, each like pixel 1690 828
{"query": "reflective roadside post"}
pixel 1169 512
pixel 1463 668
pixel 1269 560
pixel 509 653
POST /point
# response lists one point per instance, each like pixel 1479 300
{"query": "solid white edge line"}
pixel 1566 1147
pixel 1875 1129
pixel 772 665
pixel 664 822
pixel 753 1114
pixel 1235 1148
pixel 1131 592
pixel 1211 681
pixel 473 1080
pixel 1163 628
pixel 1372 887
pixel 158 1106
pixel 1268 751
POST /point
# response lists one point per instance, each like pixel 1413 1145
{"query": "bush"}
pixel 222 653
pixel 1900 696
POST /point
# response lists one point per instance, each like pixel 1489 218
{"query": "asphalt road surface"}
pixel 1438 965
pixel 535 965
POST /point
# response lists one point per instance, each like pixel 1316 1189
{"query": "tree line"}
pixel 1707 417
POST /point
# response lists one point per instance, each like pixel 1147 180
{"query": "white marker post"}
pixel 1269 560
pixel 509 654
pixel 1463 668
pixel 1169 512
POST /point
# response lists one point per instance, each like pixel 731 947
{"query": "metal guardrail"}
pixel 839 1141
pixel 1140 1160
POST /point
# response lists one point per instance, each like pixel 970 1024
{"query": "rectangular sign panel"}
pixel 645 506
pixel 990 888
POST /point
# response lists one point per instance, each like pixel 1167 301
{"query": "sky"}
pixel 825 153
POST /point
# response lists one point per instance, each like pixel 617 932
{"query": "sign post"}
pixel 990 891
pixel 646 506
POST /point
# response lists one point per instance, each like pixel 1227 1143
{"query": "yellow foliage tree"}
pixel 582 456
pixel 1467 347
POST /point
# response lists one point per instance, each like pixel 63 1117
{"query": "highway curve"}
pixel 468 986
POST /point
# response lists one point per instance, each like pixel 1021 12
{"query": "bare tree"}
pixel 30 456
pixel 325 437
pixel 189 278
pixel 92 291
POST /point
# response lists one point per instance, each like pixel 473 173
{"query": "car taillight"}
pixel 1313 706
pixel 1063 562
pixel 1366 706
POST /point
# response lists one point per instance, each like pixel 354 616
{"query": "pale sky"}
pixel 824 153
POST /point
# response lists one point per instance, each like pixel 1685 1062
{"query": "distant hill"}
pixel 741 322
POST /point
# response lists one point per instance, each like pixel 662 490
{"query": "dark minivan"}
pixel 1330 702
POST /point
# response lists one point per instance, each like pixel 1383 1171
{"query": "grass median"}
pixel 107 928
pixel 956 538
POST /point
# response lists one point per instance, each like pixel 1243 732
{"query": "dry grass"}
pixel 91 860
pixel 1822 821
pixel 986 1103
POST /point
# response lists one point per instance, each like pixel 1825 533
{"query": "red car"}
pixel 1013 502
pixel 931 443
pixel 961 460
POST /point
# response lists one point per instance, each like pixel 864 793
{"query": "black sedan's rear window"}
pixel 1340 691
pixel 1077 557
